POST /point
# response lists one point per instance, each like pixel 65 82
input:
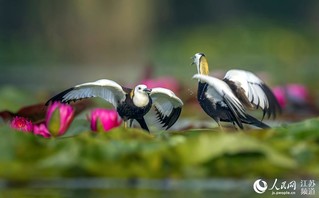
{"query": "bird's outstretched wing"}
pixel 219 91
pixel 167 106
pixel 106 89
pixel 252 91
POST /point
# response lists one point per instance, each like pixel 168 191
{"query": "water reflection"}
pixel 84 187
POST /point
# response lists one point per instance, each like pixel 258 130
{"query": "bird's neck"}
pixel 202 87
pixel 203 66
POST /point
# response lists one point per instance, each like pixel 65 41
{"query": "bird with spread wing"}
pixel 131 104
pixel 227 100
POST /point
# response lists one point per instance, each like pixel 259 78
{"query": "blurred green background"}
pixel 56 44
pixel 48 46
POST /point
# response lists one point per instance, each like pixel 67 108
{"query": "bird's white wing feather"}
pixel 165 99
pixel 252 86
pixel 167 105
pixel 255 90
pixel 218 90
pixel 106 89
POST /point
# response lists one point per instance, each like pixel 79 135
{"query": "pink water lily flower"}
pixel 291 94
pixel 21 124
pixel 280 95
pixel 58 118
pixel 104 119
pixel 41 130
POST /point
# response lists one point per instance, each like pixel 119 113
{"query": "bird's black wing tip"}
pixel 274 106
pixel 168 121
pixel 59 97
pixel 176 112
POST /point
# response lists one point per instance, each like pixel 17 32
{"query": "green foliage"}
pixel 287 151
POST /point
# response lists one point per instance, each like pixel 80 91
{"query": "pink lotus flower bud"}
pixel 104 119
pixel 21 124
pixel 58 118
pixel 41 130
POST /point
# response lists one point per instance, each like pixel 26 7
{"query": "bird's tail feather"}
pixel 253 121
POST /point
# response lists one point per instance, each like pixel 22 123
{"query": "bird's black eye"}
pixel 139 88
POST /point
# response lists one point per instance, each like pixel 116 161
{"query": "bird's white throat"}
pixel 140 99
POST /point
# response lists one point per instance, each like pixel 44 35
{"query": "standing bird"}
pixel 131 104
pixel 226 100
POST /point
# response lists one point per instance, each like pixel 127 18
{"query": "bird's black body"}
pixel 221 111
pixel 128 111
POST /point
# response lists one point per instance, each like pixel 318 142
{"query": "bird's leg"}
pixel 237 128
pixel 125 124
pixel 217 120
pixel 131 123
pixel 220 126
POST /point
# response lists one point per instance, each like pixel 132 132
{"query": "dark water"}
pixel 67 188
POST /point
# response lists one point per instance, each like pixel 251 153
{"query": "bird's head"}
pixel 201 63
pixel 141 95
pixel 142 89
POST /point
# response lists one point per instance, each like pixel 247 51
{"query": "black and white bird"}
pixel 227 100
pixel 131 104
